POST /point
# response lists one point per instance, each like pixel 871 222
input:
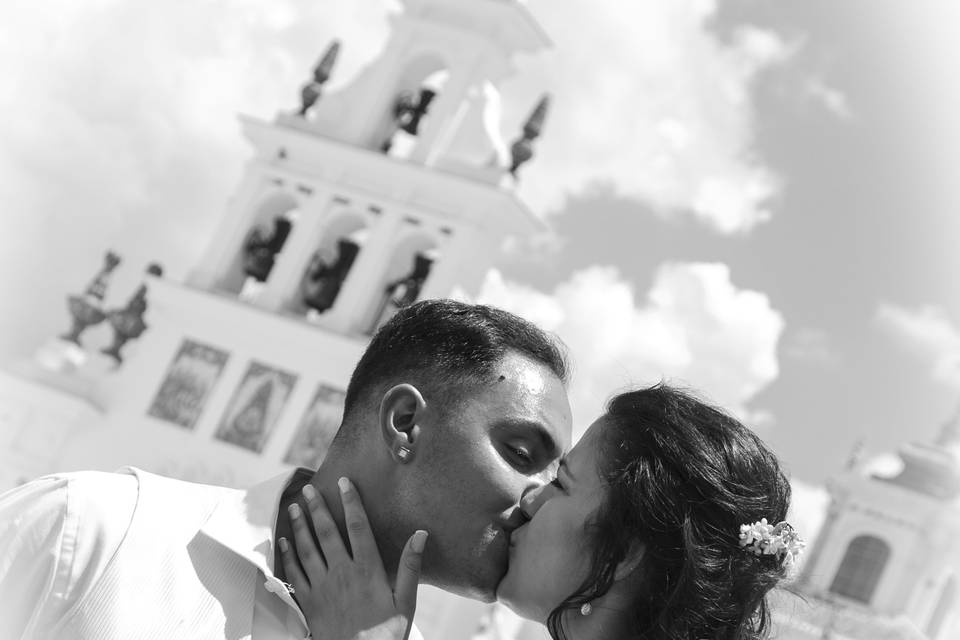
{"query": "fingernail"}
pixel 294 510
pixel 419 541
pixel 344 485
pixel 309 492
pixel 284 545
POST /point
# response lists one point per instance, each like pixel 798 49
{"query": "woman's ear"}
pixel 400 408
pixel 632 560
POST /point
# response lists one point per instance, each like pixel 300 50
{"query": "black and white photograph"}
pixel 480 320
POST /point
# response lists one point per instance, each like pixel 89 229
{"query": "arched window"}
pixel 419 85
pixel 335 255
pixel 405 277
pixel 255 257
pixel 861 568
pixel 945 604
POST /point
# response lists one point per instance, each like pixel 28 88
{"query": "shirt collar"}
pixel 244 521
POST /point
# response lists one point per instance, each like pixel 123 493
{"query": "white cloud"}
pixel 930 334
pixel 832 99
pixel 648 99
pixel 119 130
pixel 693 327
pixel 812 346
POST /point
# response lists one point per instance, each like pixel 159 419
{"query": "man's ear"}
pixel 400 409
pixel 632 560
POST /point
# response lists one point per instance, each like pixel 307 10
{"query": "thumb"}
pixel 408 574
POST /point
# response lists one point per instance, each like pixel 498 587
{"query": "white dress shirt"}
pixel 132 555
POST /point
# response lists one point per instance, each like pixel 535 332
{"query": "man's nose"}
pixel 531 500
pixel 521 514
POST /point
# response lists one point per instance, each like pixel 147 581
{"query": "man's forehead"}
pixel 533 395
pixel 533 379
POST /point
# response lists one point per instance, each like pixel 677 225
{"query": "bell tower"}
pixel 887 549
pixel 438 72
pixel 394 188
pixel 356 202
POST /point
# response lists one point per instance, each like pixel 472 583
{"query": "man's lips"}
pixel 516 535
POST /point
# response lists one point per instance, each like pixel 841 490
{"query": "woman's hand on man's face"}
pixel 344 597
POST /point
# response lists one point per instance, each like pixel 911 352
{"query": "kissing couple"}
pixel 452 466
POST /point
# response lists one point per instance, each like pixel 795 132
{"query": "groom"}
pixel 453 412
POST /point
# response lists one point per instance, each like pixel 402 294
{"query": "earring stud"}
pixel 586 609
pixel 403 453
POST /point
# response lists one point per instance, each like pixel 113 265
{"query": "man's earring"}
pixel 586 609
pixel 404 453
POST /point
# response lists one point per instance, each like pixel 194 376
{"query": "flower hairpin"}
pixel 780 540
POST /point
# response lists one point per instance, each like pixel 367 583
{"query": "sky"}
pixel 755 199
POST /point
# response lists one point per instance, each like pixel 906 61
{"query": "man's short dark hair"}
pixel 444 344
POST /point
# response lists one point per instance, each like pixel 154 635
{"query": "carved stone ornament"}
pixel 521 151
pixel 128 322
pixel 312 91
pixel 86 309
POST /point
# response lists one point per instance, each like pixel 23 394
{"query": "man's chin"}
pixel 472 592
pixel 465 580
pixel 475 575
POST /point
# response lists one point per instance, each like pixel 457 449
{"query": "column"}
pixel 297 250
pixel 233 226
pixel 363 283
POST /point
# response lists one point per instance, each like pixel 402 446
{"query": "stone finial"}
pixel 321 73
pixel 521 151
pixel 128 322
pixel 855 457
pixel 85 309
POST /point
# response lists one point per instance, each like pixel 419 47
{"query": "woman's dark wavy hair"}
pixel 681 477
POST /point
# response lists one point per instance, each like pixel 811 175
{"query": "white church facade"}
pixel 395 188
pixel 398 187
pixel 886 563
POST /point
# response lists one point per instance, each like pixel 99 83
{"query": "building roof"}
pixel 932 469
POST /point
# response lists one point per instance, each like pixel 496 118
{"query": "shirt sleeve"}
pixel 57 534
pixel 32 520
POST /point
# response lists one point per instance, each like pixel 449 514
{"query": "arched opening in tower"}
pixel 862 567
pixel 255 258
pixel 330 264
pixel 404 278
pixel 417 89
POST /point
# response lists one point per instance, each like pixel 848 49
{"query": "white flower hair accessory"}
pixel 781 540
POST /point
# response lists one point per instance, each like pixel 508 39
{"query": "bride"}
pixel 665 521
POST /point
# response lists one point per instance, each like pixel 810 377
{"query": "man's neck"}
pixel 324 480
